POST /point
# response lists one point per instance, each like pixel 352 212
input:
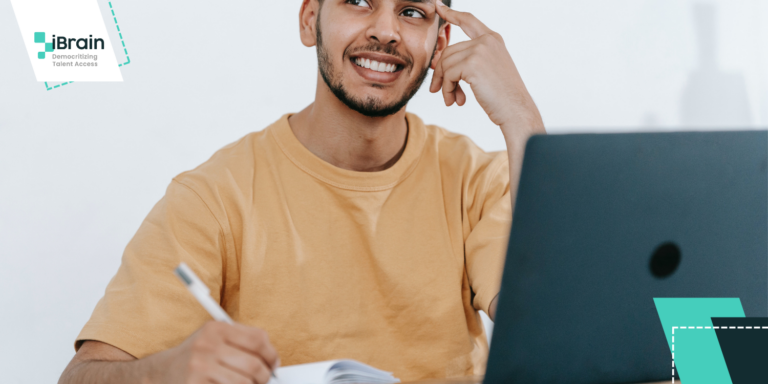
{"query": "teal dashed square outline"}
pixel 128 58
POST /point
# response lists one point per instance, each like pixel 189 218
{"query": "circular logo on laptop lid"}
pixel 665 260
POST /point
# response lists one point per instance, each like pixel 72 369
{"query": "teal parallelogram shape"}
pixel 698 358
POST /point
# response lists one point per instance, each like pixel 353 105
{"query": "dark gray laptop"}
pixel 576 304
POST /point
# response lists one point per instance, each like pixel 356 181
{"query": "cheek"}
pixel 340 35
pixel 420 47
pixel 429 44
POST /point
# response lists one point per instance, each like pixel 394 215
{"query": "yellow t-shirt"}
pixel 388 268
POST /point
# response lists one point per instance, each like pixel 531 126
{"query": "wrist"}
pixel 157 367
pixel 523 124
pixel 516 135
pixel 515 138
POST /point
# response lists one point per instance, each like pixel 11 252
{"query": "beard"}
pixel 370 106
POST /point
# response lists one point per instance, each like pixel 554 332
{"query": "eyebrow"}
pixel 417 1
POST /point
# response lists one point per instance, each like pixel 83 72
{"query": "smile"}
pixel 377 66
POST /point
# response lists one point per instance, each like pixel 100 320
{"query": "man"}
pixel 347 230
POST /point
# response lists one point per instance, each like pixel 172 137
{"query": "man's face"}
pixel 375 54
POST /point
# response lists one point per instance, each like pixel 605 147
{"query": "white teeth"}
pixel 375 65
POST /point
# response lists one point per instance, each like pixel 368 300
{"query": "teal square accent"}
pixel 49 47
pixel 39 37
pixel 41 55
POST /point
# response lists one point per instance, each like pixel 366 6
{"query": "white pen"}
pixel 203 295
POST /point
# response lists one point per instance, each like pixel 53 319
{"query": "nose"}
pixel 385 27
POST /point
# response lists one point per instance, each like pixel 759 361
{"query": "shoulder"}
pixel 231 169
pixel 230 163
pixel 459 155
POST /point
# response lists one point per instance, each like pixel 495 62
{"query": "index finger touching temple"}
pixel 468 23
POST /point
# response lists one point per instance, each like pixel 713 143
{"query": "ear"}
pixel 443 39
pixel 308 22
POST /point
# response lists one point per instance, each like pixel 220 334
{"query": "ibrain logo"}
pixel 62 42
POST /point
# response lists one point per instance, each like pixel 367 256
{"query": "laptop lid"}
pixel 576 303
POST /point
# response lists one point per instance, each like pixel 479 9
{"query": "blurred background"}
pixel 82 165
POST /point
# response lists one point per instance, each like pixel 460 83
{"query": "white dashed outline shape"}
pixel 703 327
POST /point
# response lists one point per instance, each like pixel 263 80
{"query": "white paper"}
pixel 332 372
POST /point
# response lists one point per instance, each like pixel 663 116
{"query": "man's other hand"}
pixel 223 353
pixel 216 353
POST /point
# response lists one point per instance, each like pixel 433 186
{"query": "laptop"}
pixel 605 223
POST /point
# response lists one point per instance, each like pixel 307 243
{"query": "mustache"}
pixel 379 48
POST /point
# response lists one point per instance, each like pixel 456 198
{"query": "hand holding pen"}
pixel 221 351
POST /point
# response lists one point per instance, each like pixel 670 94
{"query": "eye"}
pixel 360 3
pixel 411 12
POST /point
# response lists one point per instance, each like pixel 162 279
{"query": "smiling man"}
pixel 348 230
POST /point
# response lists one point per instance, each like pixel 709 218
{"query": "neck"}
pixel 347 139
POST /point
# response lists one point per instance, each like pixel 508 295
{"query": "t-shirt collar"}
pixel 346 179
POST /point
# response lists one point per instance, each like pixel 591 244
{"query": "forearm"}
pixel 93 372
pixel 516 141
pixel 217 352
pixel 516 136
pixel 143 371
pixel 515 152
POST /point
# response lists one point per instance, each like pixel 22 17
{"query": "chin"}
pixel 383 94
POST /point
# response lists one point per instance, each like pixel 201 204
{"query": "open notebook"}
pixel 332 372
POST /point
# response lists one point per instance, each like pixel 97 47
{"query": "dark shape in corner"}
pixel 746 349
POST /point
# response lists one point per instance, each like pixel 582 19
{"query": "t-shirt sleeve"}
pixel 489 215
pixel 145 308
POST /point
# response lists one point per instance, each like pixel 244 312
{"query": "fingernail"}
pixel 440 3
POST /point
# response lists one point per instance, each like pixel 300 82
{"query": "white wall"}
pixel 81 166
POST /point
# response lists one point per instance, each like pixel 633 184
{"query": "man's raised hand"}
pixel 485 64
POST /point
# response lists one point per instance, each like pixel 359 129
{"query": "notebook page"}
pixel 312 373
pixel 351 371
